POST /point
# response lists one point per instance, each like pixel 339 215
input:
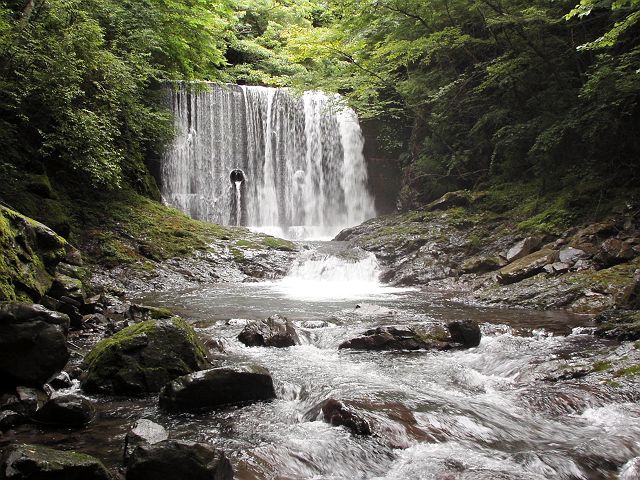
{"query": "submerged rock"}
pixel 41 463
pixel 178 460
pixel 71 410
pixel 144 432
pixel 275 331
pixel 430 337
pixel 10 419
pixel 142 358
pixel 218 387
pixel 33 345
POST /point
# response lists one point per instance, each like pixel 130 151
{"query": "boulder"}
pixel 20 461
pixel 178 460
pixel 33 345
pixel 10 419
pixel 64 305
pixel 275 331
pixel 60 381
pixel 465 332
pixel 29 400
pixel 144 432
pixel 66 286
pixel 339 414
pixel 314 324
pixel 557 268
pixel 618 324
pixel 71 410
pixel 523 248
pixel 570 255
pixel 525 267
pixel 141 358
pixel 614 251
pixel 218 387
pixel 482 264
pixel 423 337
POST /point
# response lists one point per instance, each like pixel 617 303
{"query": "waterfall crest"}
pixel 303 172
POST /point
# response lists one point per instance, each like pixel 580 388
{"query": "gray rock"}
pixel 313 324
pixel 570 255
pixel 71 410
pixel 523 248
pixel 275 331
pixel 218 387
pixel 177 460
pixel 430 337
pixel 10 419
pixel 144 432
pixel 60 381
pixel 32 351
pixel 614 251
pixel 140 359
pixel 41 463
pixel 525 267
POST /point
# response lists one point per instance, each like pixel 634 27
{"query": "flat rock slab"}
pixel 218 387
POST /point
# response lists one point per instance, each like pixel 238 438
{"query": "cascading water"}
pixel 304 174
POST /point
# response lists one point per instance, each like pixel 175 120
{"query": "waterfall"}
pixel 303 174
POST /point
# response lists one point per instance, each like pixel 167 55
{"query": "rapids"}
pixel 490 412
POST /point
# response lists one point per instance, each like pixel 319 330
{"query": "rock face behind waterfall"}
pixel 275 331
pixel 142 358
pixel 431 337
pixel 300 157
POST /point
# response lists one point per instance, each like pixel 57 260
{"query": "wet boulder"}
pixel 144 432
pixel 70 410
pixel 178 460
pixel 525 267
pixel 422 337
pixel 275 331
pixel 465 332
pixel 618 324
pixel 218 387
pixel 142 358
pixel 340 414
pixel 60 381
pixel 33 345
pixel 35 462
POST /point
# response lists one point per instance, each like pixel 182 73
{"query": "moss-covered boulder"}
pixel 526 267
pixel 41 463
pixel 142 358
pixel 30 253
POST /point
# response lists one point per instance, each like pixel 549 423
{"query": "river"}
pixel 491 412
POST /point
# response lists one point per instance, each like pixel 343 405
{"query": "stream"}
pixel 489 412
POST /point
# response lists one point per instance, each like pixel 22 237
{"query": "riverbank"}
pixel 488 248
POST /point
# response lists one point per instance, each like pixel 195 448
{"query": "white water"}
pixel 335 273
pixel 305 174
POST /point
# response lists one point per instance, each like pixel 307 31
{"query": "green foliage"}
pixel 79 80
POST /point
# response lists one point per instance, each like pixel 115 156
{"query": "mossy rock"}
pixel 619 324
pixel 30 253
pixel 142 358
pixel 42 463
